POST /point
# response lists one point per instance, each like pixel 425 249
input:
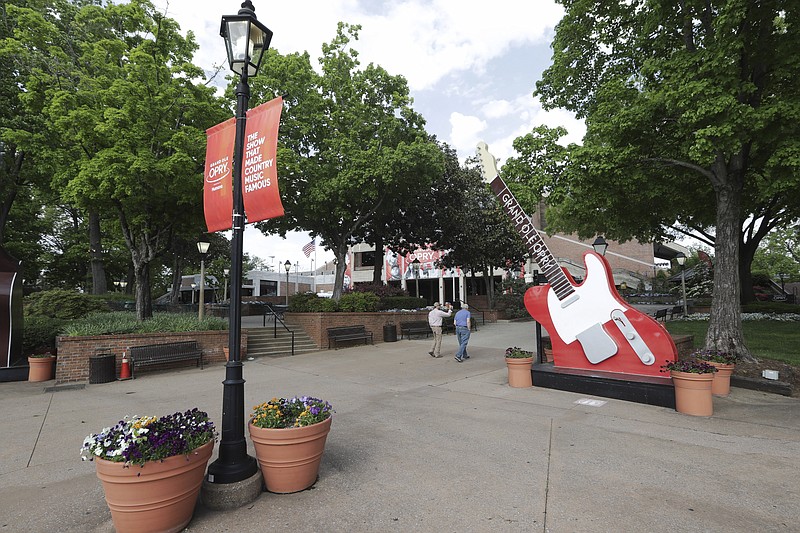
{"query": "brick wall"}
pixel 316 324
pixel 72 364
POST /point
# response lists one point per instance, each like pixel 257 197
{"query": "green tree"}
pixel 124 120
pixel 687 105
pixel 350 145
pixel 779 253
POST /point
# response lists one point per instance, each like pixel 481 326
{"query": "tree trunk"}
pixel 746 253
pixel 725 324
pixel 144 303
pixel 377 269
pixel 341 265
pixel 99 282
pixel 177 278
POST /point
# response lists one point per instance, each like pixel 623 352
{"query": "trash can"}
pixel 102 368
pixel 389 333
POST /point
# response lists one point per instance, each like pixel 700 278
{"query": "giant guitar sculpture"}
pixel 590 325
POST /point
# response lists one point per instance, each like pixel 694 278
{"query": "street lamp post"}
pixel 415 269
pixel 202 247
pixel 225 273
pixel 246 41
pixel 782 276
pixel 681 259
pixel 194 286
pixel 287 266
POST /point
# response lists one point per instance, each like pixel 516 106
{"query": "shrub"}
pixel 511 300
pixel 769 307
pixel 379 289
pixel 122 322
pixel 401 302
pixel 62 304
pixel 358 302
pixel 39 334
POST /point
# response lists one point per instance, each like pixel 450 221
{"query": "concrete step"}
pixel 263 342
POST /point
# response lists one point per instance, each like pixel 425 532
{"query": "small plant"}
pixel 295 412
pixel 40 355
pixel 715 356
pixel 691 366
pixel 517 353
pixel 139 439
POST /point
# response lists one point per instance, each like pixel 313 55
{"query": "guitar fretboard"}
pixel 530 235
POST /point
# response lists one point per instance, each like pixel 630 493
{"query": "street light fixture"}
pixel 225 273
pixel 246 40
pixel 202 247
pixel 600 245
pixel 681 259
pixel 194 286
pixel 783 276
pixel 415 269
pixel 287 266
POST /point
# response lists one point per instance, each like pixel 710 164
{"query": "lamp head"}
pixel 680 258
pixel 600 245
pixel 287 265
pixel 246 40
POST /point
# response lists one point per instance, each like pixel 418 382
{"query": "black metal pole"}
pixel 539 348
pixel 233 463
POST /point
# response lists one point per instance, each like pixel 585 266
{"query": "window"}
pixel 268 288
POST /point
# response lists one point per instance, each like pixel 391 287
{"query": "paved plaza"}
pixel 431 445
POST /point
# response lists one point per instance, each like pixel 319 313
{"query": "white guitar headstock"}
pixel 488 162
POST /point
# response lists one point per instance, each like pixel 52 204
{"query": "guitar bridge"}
pixel 632 336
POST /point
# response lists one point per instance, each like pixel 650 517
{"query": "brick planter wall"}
pixel 72 364
pixel 316 324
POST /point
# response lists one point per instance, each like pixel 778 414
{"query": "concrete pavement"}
pixel 424 444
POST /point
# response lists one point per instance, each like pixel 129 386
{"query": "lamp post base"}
pixel 228 496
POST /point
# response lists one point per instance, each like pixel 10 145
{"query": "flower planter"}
pixel 721 386
pixel 41 368
pixel 693 393
pixel 290 457
pixel 519 371
pixel 159 496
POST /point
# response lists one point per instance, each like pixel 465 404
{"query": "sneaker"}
pixel 431 354
pixel 465 356
pixel 457 358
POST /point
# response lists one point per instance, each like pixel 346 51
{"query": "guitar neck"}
pixel 534 242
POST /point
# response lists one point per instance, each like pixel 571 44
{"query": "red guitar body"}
pixel 598 304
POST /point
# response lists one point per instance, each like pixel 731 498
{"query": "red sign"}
pixel 259 173
pixel 262 200
pixel 217 187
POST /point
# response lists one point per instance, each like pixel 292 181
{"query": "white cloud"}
pixel 497 109
pixel 464 132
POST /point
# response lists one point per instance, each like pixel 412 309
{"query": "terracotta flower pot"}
pixel 721 386
pixel 159 496
pixel 227 352
pixel 519 371
pixel 290 457
pixel 41 368
pixel 693 393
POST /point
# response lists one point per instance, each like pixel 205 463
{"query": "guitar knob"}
pixel 630 335
pixel 648 359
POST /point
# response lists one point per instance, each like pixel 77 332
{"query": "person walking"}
pixel 463 323
pixel 435 321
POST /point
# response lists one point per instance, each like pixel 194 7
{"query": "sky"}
pixel 471 68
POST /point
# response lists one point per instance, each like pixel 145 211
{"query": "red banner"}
pixel 259 174
pixel 217 183
pixel 262 200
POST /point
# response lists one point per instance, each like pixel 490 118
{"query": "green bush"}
pixel 62 304
pixel 770 307
pixel 511 300
pixel 122 322
pixel 39 334
pixel 358 302
pixel 401 302
pixel 379 289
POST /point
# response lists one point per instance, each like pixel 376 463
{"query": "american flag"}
pixel 308 248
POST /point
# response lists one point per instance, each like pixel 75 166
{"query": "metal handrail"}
pixel 271 312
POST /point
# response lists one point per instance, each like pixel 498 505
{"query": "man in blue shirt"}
pixel 463 323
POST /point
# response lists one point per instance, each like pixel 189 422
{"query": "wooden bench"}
pixel 156 354
pixel 348 333
pixel 676 311
pixel 417 327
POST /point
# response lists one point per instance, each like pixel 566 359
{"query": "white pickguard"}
pixel 581 316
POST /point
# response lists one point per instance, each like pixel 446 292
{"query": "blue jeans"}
pixel 462 334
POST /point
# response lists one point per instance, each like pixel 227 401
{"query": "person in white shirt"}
pixel 435 320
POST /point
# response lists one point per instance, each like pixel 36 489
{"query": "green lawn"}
pixel 767 339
